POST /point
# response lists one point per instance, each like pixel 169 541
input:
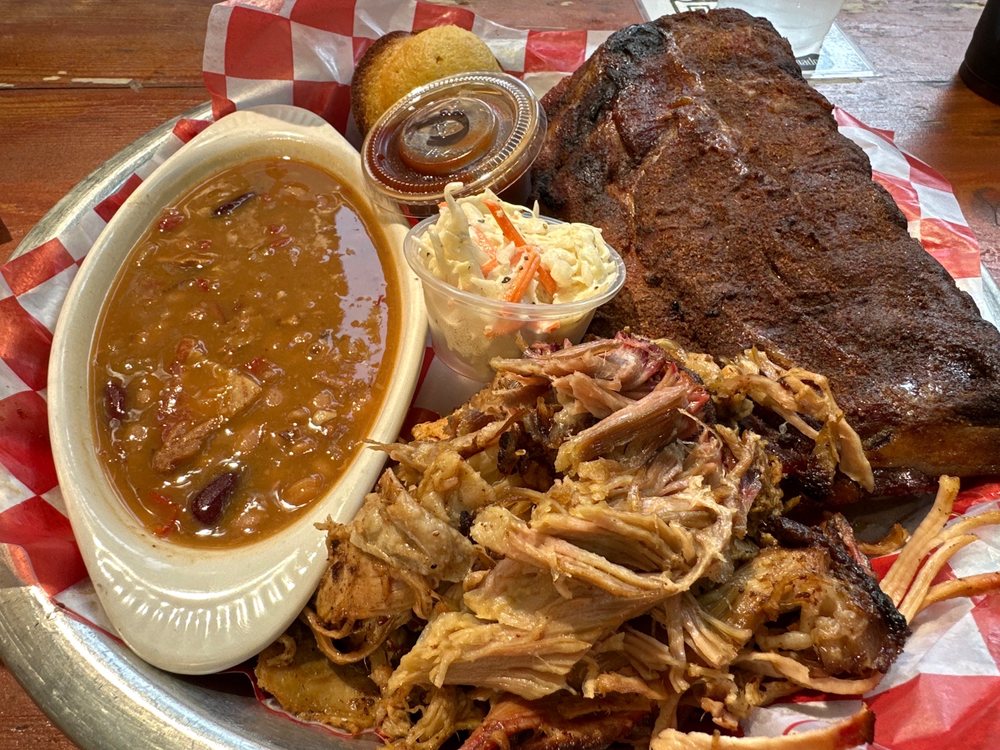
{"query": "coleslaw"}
pixel 500 251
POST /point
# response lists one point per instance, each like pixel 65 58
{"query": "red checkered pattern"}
pixel 945 689
pixel 304 53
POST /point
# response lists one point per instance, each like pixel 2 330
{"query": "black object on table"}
pixel 981 68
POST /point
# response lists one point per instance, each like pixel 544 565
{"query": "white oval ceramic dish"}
pixel 183 609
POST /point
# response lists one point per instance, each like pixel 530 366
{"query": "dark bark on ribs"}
pixel 745 219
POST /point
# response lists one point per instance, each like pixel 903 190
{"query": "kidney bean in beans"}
pixel 228 207
pixel 207 506
pixel 171 219
pixel 114 400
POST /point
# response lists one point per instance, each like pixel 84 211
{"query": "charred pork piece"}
pixel 561 722
pixel 746 220
pixel 814 595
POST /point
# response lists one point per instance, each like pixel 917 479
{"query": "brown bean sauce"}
pixel 238 361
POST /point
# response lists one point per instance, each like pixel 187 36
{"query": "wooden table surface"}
pixel 79 81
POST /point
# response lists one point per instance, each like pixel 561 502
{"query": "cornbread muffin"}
pixel 400 61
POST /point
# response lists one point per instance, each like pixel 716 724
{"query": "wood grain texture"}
pixel 60 45
pixel 22 724
pixel 56 126
pixel 88 128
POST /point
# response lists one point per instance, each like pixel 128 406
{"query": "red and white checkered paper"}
pixel 943 691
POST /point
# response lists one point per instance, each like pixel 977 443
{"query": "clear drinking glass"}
pixel 804 23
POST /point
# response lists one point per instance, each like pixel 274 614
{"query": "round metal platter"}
pixel 93 687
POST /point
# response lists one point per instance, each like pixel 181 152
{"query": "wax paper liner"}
pixel 942 692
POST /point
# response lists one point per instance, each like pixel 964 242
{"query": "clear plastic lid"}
pixel 481 129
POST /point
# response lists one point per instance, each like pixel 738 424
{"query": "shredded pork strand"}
pixel 891 542
pixel 793 393
pixel 582 555
pixel 851 732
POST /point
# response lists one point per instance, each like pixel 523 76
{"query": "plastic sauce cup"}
pixel 481 129
pixel 468 330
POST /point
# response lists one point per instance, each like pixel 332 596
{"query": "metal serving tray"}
pixel 92 686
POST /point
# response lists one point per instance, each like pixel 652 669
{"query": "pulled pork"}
pixel 588 552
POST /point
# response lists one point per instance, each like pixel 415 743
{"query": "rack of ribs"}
pixel 746 220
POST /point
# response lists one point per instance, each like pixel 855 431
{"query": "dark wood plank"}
pixel 80 133
pixel 917 46
pixel 49 44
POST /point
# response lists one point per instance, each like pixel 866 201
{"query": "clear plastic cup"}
pixel 468 330
pixel 804 23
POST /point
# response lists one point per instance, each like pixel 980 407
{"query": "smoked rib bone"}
pixel 745 219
